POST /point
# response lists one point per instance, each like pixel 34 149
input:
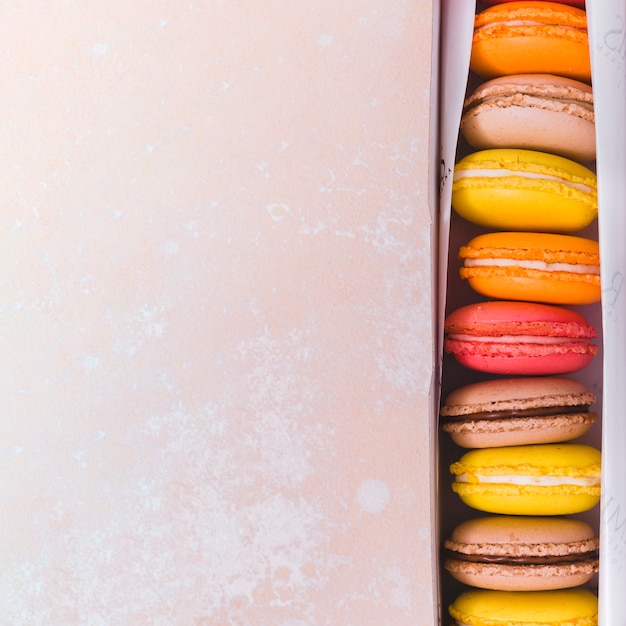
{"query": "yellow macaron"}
pixel 525 190
pixel 543 479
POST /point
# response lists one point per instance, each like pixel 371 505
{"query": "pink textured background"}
pixel 216 313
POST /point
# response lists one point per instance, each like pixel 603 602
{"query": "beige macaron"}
pixel 535 112
pixel 518 411
pixel 519 553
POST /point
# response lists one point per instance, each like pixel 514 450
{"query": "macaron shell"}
pixel 538 112
pixel 519 364
pixel 519 431
pixel 566 459
pixel 524 190
pixel 518 578
pixel 510 500
pixel 519 318
pixel 502 608
pixel 520 533
pixel 557 288
pixel 552 131
pixel 554 269
pixel 556 43
pixel 516 393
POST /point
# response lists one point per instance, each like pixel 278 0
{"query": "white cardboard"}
pixel 607 377
pixel 607 32
pixel 455 48
pixel 456 44
pixel 433 202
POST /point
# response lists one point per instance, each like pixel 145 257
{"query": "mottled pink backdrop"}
pixel 215 312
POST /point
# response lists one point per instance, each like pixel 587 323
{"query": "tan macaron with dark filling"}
pixel 532 111
pixel 518 411
pixel 519 553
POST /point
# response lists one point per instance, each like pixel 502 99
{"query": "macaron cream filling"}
pixel 500 98
pixel 514 339
pixel 518 23
pixel 538 481
pixel 536 412
pixel 583 548
pixel 535 265
pixel 539 95
pixel 502 173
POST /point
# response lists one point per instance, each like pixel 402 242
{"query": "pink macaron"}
pixel 519 338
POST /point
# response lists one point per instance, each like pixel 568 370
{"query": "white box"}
pixel 607 375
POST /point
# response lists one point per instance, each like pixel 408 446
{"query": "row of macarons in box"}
pixel 529 182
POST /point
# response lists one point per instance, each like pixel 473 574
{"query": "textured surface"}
pixel 216 342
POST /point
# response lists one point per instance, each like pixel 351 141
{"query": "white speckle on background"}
pixel 325 40
pixel 170 248
pixel 400 588
pixel 91 362
pixel 306 229
pixel 373 496
pixel 345 233
pixel 99 49
pixel 263 169
pixel 145 325
pixel 278 211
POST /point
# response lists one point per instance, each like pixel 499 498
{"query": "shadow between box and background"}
pixel 458 293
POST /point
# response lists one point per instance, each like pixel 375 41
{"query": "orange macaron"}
pixel 531 37
pixel 538 267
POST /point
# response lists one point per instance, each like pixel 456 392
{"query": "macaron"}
pixel 562 607
pixel 519 338
pixel 522 553
pixel 541 267
pixel 531 37
pixel 527 190
pixel 518 411
pixel 535 112
pixel 544 479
